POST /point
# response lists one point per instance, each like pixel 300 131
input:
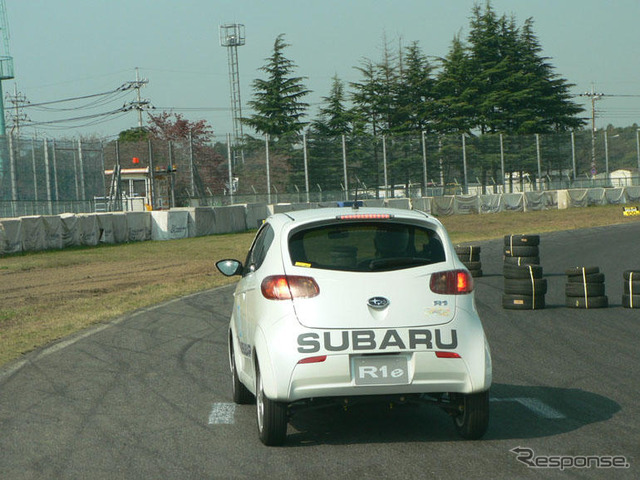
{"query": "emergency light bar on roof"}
pixel 365 216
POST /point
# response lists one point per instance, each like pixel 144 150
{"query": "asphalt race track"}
pixel 149 396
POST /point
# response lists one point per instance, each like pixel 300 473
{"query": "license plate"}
pixel 380 370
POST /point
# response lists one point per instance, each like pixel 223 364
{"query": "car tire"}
pixel 468 253
pixel 590 302
pixel 581 271
pixel 522 302
pixel 630 301
pixel 584 289
pixel 271 415
pixel 241 394
pixel 526 286
pixel 520 240
pixel 475 273
pixel 521 260
pixel 472 265
pixel 524 251
pixel 589 278
pixel 522 271
pixel 632 288
pixel 472 420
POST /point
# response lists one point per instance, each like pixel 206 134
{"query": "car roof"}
pixel 319 214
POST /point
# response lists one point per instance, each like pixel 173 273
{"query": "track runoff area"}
pixel 149 395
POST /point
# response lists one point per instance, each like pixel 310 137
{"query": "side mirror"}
pixel 229 267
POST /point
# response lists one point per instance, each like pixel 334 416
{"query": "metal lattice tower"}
pixel 6 61
pixel 232 37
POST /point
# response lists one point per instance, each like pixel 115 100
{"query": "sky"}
pixel 78 48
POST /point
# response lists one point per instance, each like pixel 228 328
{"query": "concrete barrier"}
pixel 403 203
pixel 374 202
pixel 169 225
pixel 33 234
pixel 70 230
pixel 422 204
pixel 10 235
pixel 120 230
pixel 53 232
pixel 138 226
pixel 105 228
pixel 200 220
pixel 256 213
pixel 89 230
pixel 231 219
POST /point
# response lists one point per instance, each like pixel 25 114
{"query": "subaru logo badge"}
pixel 378 303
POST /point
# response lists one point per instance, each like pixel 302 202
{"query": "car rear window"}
pixel 365 246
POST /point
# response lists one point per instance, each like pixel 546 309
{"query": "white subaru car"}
pixel 338 305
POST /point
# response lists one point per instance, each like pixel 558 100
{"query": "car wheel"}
pixel 472 418
pixel 241 394
pixel 272 416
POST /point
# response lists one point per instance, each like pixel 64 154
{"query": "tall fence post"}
pixel 424 164
pixel 83 193
pixel 504 189
pixel 638 151
pixel 230 171
pixel 55 171
pixel 384 164
pixel 539 161
pixel 573 154
pixel 193 179
pixel 464 164
pixel 12 171
pixel 344 167
pixel 172 178
pixel 152 176
pixel 47 175
pixel 35 174
pixel 606 158
pixel 266 141
pixel 306 165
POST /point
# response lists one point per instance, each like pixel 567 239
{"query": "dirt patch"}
pixel 40 287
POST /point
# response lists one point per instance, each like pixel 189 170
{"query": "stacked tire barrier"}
pixel 521 249
pixel 470 256
pixel 631 295
pixel 585 288
pixel 524 285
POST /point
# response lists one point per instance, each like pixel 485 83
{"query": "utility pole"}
pixel 139 104
pixel 594 96
pixel 17 100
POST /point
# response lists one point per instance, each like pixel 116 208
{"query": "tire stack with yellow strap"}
pixel 470 256
pixel 524 285
pixel 631 295
pixel 585 288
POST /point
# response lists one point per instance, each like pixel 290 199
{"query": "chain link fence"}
pixel 47 177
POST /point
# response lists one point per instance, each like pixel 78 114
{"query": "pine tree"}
pixel 325 141
pixel 415 93
pixel 454 111
pixel 278 99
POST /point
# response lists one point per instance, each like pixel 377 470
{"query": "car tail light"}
pixel 452 282
pixel 441 354
pixel 318 359
pixel 365 216
pixel 287 287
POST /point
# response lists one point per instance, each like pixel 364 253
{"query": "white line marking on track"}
pixel 535 405
pixel 222 414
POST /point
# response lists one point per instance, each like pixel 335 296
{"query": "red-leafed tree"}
pixel 174 127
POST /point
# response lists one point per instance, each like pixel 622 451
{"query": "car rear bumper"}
pixel 335 376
